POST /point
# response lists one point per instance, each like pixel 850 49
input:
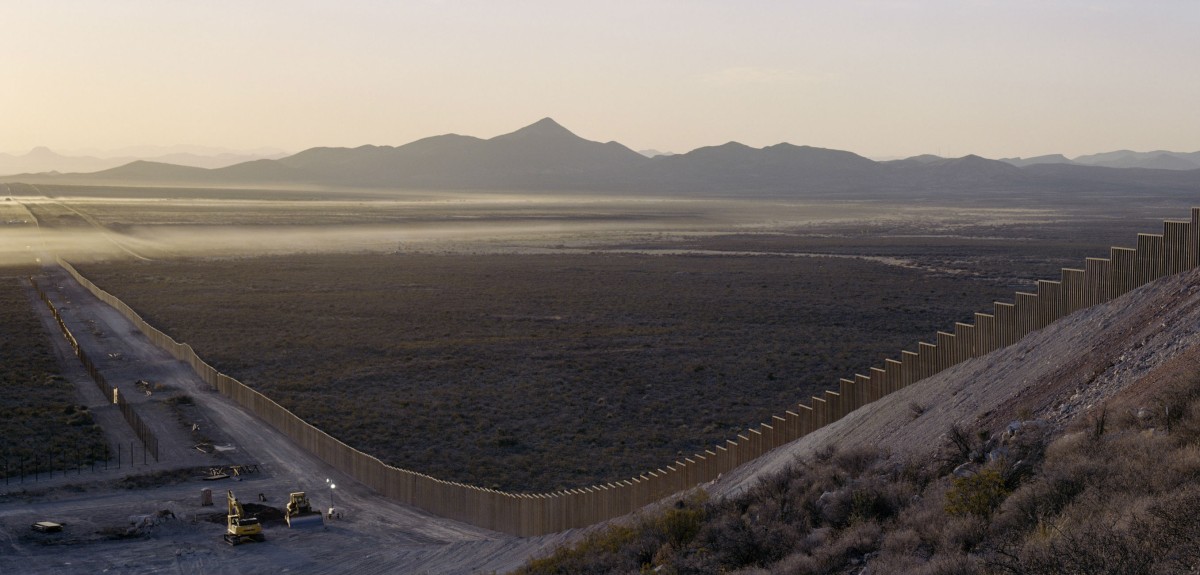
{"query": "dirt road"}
pixel 372 535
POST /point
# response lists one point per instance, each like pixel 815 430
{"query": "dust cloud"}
pixel 93 229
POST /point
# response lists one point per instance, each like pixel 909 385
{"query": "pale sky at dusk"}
pixel 880 78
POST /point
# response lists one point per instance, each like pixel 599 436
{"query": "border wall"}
pixel 526 514
pixel 140 429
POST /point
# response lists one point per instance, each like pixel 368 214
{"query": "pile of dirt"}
pixel 264 513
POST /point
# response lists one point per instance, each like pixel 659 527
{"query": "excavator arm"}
pixel 238 527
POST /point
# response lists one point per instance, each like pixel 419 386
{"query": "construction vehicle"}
pixel 300 512
pixel 238 527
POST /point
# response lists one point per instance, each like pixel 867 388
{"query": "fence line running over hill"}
pixel 147 437
pixel 1100 280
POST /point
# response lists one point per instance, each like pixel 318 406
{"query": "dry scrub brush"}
pixel 532 373
pixel 43 428
pixel 1102 497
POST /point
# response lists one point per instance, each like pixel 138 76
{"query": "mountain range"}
pixel 1156 160
pixel 42 159
pixel 547 156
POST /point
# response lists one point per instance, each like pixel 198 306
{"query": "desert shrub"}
pixel 977 494
pixel 1098 548
pixel 1035 504
pixel 905 541
pixel 949 564
pixel 1178 402
pixel 850 546
pixel 656 539
pixel 533 373
pixel 855 460
pixel 1121 500
pixel 679 526
pixel 43 427
pixel 840 512
pixel 597 553
pixel 1117 501
pixel 962 533
pixel 779 521
pixel 1174 526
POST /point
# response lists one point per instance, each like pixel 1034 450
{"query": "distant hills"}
pixel 1157 160
pixel 42 159
pixel 546 156
pixel 650 153
pixel 539 156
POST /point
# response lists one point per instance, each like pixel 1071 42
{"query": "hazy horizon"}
pixel 202 150
pixel 881 79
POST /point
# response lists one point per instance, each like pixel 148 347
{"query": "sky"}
pixel 884 79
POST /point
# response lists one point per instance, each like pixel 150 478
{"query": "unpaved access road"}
pixel 372 535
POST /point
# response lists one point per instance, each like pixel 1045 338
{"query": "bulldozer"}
pixel 238 527
pixel 300 512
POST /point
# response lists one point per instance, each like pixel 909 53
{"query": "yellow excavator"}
pixel 238 527
pixel 300 512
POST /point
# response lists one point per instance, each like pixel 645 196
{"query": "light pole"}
pixel 331 488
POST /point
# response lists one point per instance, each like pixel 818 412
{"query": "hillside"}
pixel 1071 451
pixel 1054 375
pixel 543 155
pixel 1158 159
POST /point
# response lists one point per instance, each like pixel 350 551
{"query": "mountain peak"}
pixel 544 128
pixel 41 152
pixel 546 123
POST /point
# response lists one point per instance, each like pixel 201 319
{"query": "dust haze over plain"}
pixel 139 229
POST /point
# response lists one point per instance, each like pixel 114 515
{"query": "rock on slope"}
pixel 1054 374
